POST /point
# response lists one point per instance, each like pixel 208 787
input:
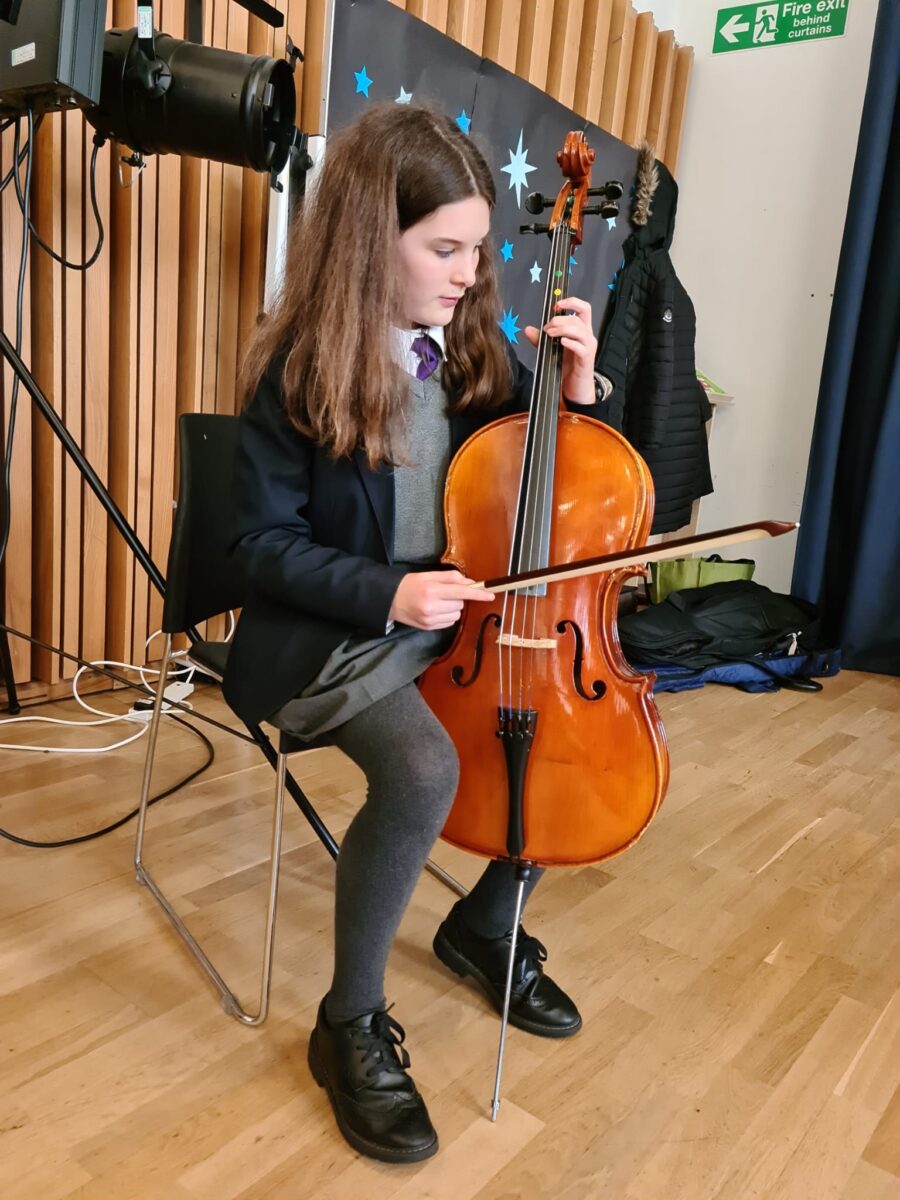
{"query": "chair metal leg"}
pixel 230 1002
pixel 446 878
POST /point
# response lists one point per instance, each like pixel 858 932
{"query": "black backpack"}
pixel 737 621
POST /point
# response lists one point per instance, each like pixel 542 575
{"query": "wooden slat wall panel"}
pixel 96 421
pixel 684 61
pixel 164 336
pixel 254 215
pixel 435 12
pixel 157 326
pixel 618 68
pixel 73 396
pixel 145 480
pixel 465 23
pixel 661 92
pixel 17 567
pixel 47 359
pixel 565 44
pixel 535 33
pixel 640 79
pixel 592 58
pixel 124 237
pixel 310 114
pixel 502 20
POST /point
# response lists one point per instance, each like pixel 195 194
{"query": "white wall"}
pixel 764 174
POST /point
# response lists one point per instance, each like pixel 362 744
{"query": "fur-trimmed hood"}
pixel 654 202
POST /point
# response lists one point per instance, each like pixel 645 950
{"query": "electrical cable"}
pixel 89 837
pixel 138 687
pixel 107 717
pixel 8 177
pixel 101 233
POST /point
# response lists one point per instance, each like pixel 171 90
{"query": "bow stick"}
pixel 637 556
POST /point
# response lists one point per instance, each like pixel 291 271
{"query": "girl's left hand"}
pixel 576 334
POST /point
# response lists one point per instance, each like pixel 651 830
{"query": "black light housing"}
pixel 196 100
pixel 49 55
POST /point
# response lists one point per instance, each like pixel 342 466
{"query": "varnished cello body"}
pixel 598 764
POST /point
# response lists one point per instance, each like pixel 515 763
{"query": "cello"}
pixel 563 755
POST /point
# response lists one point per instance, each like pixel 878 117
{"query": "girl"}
pixel 383 356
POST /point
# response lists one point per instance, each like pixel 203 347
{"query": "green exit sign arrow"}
pixel 753 25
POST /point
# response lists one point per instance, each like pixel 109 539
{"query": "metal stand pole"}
pixel 523 874
pixel 6 667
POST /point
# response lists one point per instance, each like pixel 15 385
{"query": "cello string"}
pixel 539 466
pixel 535 453
pixel 549 421
pixel 525 507
pixel 510 599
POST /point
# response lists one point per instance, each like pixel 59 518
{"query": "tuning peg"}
pixel 612 190
pixel 536 202
pixel 534 229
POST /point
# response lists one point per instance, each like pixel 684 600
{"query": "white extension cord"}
pixel 175 693
pixel 139 713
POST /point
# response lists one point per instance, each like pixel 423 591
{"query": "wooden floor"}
pixel 737 971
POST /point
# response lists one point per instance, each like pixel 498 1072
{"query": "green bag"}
pixel 680 573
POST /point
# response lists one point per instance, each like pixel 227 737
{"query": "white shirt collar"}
pixel 401 348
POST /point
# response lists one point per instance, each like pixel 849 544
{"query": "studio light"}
pixel 151 92
pixel 196 100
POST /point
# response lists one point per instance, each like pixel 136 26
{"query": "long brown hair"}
pixel 383 173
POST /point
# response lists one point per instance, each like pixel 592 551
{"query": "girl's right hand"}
pixel 433 599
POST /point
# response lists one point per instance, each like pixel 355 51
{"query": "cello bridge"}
pixel 513 641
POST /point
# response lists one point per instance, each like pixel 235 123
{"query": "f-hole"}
pixel 598 687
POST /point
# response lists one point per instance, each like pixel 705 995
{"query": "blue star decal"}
pixel 518 169
pixel 463 121
pixel 510 325
pixel 404 97
pixel 535 272
pixel 611 222
pixel 363 82
pixel 507 250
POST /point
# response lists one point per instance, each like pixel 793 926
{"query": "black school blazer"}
pixel 314 537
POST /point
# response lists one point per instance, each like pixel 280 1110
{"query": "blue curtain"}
pixel 848 553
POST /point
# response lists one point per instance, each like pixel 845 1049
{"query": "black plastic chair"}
pixel 203 582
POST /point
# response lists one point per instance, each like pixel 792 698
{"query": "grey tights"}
pixel 412 770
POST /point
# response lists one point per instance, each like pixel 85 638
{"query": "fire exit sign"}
pixel 753 25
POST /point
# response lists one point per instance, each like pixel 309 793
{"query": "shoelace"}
pixel 379 1044
pixel 530 953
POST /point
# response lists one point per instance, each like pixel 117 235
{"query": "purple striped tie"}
pixel 429 353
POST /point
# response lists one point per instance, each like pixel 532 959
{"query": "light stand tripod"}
pixel 6 667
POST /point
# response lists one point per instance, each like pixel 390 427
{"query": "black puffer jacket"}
pixel 647 350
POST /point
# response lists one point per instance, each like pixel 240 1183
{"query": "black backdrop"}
pixel 381 52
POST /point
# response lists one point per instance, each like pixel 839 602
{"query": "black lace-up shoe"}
pixel 537 1004
pixel 376 1104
